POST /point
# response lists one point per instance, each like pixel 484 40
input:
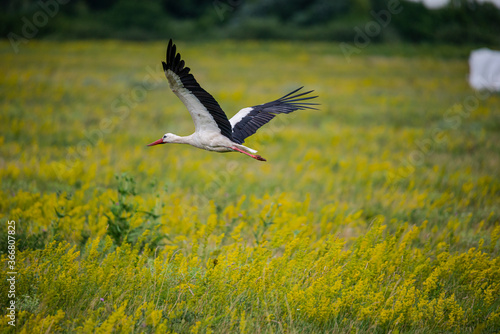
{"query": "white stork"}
pixel 213 131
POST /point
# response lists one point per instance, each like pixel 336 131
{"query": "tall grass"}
pixel 376 213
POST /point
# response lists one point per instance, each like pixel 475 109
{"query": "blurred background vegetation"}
pixel 460 22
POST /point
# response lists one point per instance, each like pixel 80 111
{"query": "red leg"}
pixel 257 157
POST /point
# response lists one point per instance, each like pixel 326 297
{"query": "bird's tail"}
pixel 246 149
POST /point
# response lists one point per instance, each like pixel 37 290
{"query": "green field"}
pixel 377 213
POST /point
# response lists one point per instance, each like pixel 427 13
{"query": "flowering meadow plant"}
pixel 377 213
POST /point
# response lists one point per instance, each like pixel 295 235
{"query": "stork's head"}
pixel 167 138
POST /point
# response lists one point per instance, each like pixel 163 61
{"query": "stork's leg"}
pixel 257 157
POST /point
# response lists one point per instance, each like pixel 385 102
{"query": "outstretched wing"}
pixel 206 113
pixel 248 120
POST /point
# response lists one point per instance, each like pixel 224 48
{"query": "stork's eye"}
pixel 164 136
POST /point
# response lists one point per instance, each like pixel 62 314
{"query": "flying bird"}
pixel 213 130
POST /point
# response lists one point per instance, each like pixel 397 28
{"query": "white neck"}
pixel 181 140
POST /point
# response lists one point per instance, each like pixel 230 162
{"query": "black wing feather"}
pixel 262 114
pixel 176 65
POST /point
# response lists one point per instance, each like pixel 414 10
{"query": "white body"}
pixel 206 140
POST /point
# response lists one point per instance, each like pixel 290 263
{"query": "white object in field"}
pixel 484 67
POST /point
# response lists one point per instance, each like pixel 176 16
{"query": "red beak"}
pixel 159 141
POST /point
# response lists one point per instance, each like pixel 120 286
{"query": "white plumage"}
pixel 213 131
